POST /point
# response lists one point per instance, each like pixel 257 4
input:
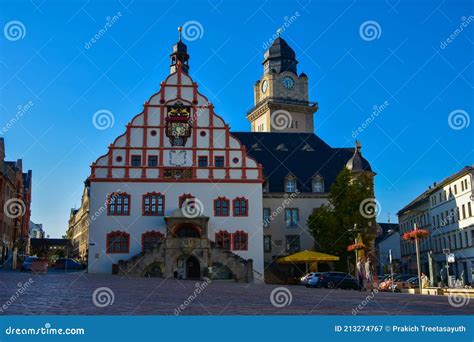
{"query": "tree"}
pixel 330 224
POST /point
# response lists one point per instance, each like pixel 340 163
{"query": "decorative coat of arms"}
pixel 178 124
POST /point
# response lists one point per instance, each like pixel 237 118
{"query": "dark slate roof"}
pixel 302 154
pixel 279 49
pixel 282 52
pixel 387 230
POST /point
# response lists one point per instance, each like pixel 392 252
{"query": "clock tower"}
pixel 281 102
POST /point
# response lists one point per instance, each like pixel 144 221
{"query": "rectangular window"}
pixel 266 217
pixel 153 204
pixel 463 212
pixel 152 160
pixel 202 161
pixel 136 160
pixel 219 161
pixel 291 217
pixel 292 243
pixel 267 244
pixel 290 185
pixel 469 209
pixel 318 186
pixel 455 189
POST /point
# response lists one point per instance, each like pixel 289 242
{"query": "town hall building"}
pixel 180 195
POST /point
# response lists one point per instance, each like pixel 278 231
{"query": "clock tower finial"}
pixel 179 54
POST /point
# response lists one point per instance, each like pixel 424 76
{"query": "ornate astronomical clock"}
pixel 178 124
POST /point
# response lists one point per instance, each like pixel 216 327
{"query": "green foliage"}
pixel 329 224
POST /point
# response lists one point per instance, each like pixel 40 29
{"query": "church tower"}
pixel 281 102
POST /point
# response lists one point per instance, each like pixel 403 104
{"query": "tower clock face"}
pixel 288 82
pixel 264 86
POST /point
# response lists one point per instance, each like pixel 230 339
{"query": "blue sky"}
pixel 408 65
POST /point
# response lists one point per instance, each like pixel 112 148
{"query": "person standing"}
pixel 361 273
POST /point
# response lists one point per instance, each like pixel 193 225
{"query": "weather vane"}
pixel 180 29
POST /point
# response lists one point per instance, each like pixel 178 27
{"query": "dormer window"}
pixel 290 184
pixel 281 147
pixel 318 184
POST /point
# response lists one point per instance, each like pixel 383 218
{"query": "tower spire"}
pixel 179 54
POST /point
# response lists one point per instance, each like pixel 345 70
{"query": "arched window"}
pixel 290 183
pixel 241 205
pixel 118 242
pixel 153 204
pixel 118 204
pixel 185 197
pixel 150 240
pixel 221 206
pixel 240 241
pixel 223 238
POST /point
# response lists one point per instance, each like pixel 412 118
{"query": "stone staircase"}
pixel 162 259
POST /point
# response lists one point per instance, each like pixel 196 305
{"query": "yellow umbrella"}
pixel 305 257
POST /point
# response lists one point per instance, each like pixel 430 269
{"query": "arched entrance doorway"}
pixel 188 268
pixel 193 268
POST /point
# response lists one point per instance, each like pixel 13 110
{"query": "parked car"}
pixel 332 280
pixel 26 266
pixel 413 282
pixel 401 281
pixel 68 264
pixel 311 279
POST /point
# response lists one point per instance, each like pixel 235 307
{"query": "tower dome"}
pixel 280 57
pixel 357 163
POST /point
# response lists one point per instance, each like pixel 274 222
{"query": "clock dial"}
pixel 264 86
pixel 288 82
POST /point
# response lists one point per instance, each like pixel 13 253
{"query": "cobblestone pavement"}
pixel 72 294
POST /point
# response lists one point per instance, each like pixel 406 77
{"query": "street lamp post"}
pixel 417 248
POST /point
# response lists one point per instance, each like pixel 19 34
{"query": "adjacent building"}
pixel 387 244
pixel 78 228
pixel 446 210
pixel 36 230
pixel 15 200
pixel 179 194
